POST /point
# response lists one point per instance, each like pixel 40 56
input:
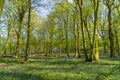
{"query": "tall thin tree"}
pixel 28 31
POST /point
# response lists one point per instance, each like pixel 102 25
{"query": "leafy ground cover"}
pixel 60 68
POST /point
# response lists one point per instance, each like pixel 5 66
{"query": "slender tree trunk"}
pixel 105 47
pixel 117 41
pixel 28 34
pixel 75 45
pixel 18 36
pixel 111 35
pixel 17 45
pixel 78 55
pixel 66 35
pixel 76 36
pixel 80 5
pixel 89 36
pixel 75 40
pixel 95 52
pixel 60 47
pixel 103 35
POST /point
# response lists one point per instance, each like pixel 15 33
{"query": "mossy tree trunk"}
pixel 80 6
pixel 94 48
pixel 21 12
pixel 109 5
pixel 111 34
pixel 28 32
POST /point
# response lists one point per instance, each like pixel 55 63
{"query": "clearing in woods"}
pixel 60 68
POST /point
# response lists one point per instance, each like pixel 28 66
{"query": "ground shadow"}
pixel 6 75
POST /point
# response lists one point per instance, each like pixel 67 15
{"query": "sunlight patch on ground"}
pixel 2 65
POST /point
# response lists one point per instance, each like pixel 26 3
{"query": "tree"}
pixel 28 31
pixel 94 48
pixel 1 6
pixel 21 9
pixel 80 6
pixel 109 4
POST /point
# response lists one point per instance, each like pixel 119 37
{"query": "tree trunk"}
pixel 94 48
pixel 17 45
pixel 117 41
pixel 80 5
pixel 8 36
pixel 66 36
pixel 111 35
pixel 78 55
pixel 105 47
pixel 28 34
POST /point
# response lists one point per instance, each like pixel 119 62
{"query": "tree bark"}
pixel 80 5
pixel 94 48
pixel 111 35
pixel 28 34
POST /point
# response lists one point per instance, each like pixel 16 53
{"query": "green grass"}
pixel 60 68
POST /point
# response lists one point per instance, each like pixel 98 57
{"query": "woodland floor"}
pixel 60 68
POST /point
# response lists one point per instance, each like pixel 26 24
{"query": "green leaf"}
pixel 1 6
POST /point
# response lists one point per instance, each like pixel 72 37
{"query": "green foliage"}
pixel 1 6
pixel 60 68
